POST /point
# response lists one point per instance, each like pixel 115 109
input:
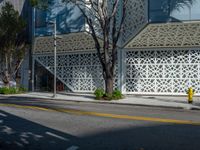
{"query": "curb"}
pixel 194 108
pixel 109 102
pixel 140 105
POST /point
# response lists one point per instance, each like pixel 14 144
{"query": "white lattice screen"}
pixel 162 71
pixel 81 72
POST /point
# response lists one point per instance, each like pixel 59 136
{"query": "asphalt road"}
pixel 36 124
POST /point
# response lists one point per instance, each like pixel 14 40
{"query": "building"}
pixel 159 52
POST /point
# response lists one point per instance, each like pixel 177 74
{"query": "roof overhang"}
pixel 73 42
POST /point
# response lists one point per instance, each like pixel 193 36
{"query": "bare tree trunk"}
pixel 6 76
pixel 109 78
pixel 109 85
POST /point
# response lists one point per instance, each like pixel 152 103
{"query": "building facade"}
pixel 159 51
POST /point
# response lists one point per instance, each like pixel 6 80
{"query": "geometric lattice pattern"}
pixel 160 65
pixel 162 71
pixel 168 35
pixel 136 18
pixel 80 72
pixel 72 42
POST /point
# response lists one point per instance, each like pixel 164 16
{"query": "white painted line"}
pixel 3 115
pixel 57 136
pixel 73 148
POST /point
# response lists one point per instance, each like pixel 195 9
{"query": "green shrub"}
pixel 22 89
pixel 6 90
pixel 12 90
pixel 108 96
pixel 117 94
pixel 99 93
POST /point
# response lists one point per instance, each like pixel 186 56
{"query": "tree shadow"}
pixel 21 134
pixel 25 101
pixel 156 137
pixel 42 101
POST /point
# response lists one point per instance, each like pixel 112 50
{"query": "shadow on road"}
pixel 34 101
pixel 24 100
pixel 158 137
pixel 20 134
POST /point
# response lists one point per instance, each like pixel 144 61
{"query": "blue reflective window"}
pixel 159 11
pixel 174 10
pixel 68 18
pixel 40 18
pixel 195 11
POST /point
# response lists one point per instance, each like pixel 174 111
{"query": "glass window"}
pixel 40 18
pixel 195 10
pixel 68 18
pixel 159 11
pixel 182 13
pixel 174 10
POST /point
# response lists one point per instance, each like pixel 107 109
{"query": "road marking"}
pixel 88 113
pixel 140 118
pixel 3 115
pixel 73 148
pixel 57 136
pixel 26 106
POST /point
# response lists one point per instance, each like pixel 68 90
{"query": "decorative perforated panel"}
pixel 162 71
pixel 70 42
pixel 168 35
pixel 81 72
pixel 136 18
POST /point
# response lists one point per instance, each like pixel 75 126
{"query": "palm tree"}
pixel 177 4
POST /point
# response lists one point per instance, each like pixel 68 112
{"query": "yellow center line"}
pixel 27 107
pixel 116 116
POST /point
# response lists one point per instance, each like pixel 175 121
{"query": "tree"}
pixel 12 41
pixel 102 19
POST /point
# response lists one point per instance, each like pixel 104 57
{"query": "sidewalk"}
pixel 178 102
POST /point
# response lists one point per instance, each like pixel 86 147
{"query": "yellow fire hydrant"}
pixel 190 93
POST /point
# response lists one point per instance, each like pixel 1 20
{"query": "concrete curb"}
pixel 107 102
pixel 131 104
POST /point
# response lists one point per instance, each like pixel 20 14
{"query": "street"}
pixel 40 124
